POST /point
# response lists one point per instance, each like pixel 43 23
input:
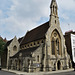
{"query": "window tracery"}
pixel 55 43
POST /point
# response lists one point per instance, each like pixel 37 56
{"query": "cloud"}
pixel 67 26
pixel 0 12
pixel 65 17
pixel 24 15
pixel 67 5
pixel 26 9
pixel 18 16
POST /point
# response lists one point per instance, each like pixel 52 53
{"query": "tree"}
pixel 2 44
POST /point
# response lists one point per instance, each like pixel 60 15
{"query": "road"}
pixel 65 73
pixel 6 73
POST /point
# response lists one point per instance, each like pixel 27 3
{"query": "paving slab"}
pixel 37 73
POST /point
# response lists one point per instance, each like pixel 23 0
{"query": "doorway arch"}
pixel 58 65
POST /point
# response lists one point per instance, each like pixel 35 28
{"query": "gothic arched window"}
pixel 15 48
pixel 56 43
pixel 38 58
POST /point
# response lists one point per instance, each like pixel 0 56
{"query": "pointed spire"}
pixel 54 19
pixel 54 7
pixel 52 2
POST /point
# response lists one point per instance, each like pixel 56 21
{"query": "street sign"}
pixel 73 46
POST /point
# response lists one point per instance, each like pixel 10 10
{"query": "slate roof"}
pixel 25 52
pixel 20 39
pixel 7 44
pixel 36 34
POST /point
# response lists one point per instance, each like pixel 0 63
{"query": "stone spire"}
pixel 54 8
pixel 54 19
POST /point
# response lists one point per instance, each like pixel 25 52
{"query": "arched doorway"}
pixel 58 65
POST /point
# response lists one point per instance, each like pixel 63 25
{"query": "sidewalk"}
pixel 36 73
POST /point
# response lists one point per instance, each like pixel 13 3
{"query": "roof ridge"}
pixel 38 26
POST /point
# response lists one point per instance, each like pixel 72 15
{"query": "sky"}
pixel 19 16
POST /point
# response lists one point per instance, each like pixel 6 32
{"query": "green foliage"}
pixel 2 44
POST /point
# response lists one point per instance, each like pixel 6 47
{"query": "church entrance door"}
pixel 58 65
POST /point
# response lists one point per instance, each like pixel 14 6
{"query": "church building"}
pixel 42 48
